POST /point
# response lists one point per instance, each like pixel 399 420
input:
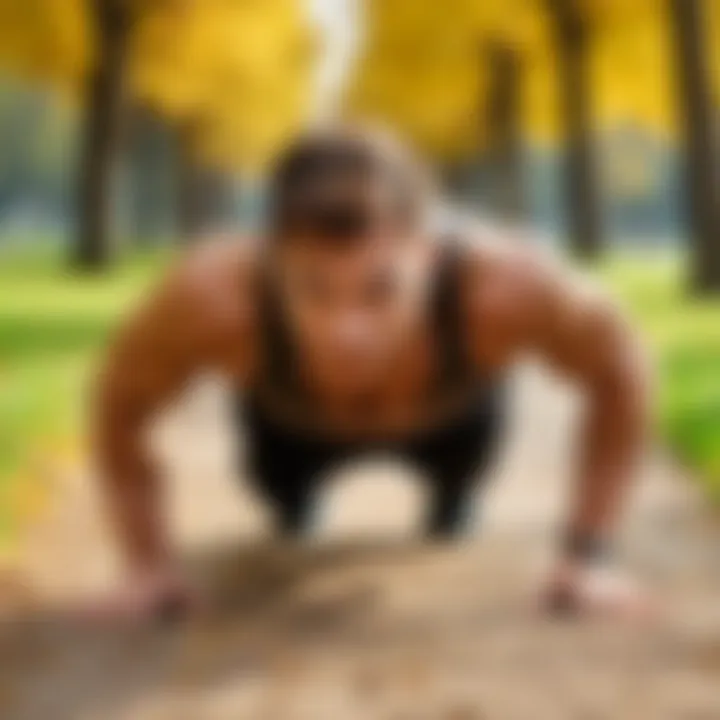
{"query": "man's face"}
pixel 350 306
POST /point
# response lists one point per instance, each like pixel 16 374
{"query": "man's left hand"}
pixel 596 590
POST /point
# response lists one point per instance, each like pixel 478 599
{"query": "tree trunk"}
pixel 103 111
pixel 504 123
pixel 580 180
pixel 699 141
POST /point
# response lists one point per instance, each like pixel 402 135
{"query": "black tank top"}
pixel 457 377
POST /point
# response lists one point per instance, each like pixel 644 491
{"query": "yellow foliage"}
pixel 424 69
pixel 632 70
pixel 713 8
pixel 46 40
pixel 420 72
pixel 239 71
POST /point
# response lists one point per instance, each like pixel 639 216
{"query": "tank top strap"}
pixel 280 361
pixel 455 370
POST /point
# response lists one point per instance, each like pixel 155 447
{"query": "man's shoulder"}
pixel 515 278
pixel 505 266
pixel 216 266
pixel 215 262
pixel 211 284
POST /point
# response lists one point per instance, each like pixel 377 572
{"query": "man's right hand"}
pixel 158 595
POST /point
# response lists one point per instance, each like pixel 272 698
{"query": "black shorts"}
pixel 288 468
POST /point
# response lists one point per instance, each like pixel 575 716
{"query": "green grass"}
pixel 52 325
pixel 685 334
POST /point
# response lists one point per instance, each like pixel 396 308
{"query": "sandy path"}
pixel 366 622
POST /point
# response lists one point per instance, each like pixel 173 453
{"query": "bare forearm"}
pixel 613 437
pixel 133 497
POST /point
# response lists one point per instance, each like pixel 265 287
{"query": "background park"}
pixel 131 128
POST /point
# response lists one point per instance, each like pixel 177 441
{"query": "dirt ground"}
pixel 366 621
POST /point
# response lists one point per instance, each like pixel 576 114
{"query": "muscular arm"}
pixel 547 311
pixel 587 339
pixel 148 364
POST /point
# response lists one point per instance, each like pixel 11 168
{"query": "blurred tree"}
pixel 461 79
pixel 572 35
pixel 46 40
pixel 700 138
pixel 518 100
pixel 631 65
pixel 33 151
pixel 714 26
pixel 232 104
pixel 504 155
pixel 558 71
pixel 419 72
pixel 111 22
pixel 239 71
